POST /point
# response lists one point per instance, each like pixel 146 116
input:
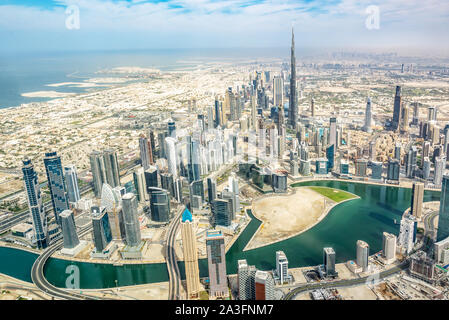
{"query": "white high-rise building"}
pixel 246 280
pixel 368 116
pixel 171 156
pixel 407 233
pixel 440 165
pixel 139 184
pixel 282 267
pixel 389 247
pixel 362 255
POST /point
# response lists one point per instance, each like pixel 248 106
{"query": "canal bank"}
pixel 361 219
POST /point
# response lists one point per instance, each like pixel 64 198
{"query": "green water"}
pixel 359 219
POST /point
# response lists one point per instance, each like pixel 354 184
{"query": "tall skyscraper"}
pixel 193 159
pixel 246 280
pixel 407 233
pixel 443 218
pixel 333 132
pixel 417 199
pixel 159 205
pixel 190 255
pixel 329 261
pixel 171 128
pixel 101 228
pixel 278 91
pixel 216 261
pixel 211 190
pixel 56 184
pixel 264 285
pixel 132 225
pixel 362 254
pixel 69 236
pixel 111 167
pixel 139 184
pixel 397 109
pixel 281 267
pixel 293 103
pixel 171 156
pixel 221 212
pixel 146 152
pixel 105 169
pixel 389 246
pixel 34 198
pixel 440 166
pixel 312 108
pixel 411 162
pixel 393 170
pixel 368 116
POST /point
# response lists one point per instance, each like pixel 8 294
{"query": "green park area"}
pixel 333 194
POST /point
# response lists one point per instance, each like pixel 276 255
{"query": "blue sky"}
pixel 145 24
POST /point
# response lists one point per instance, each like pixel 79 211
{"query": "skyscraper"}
pixel 171 156
pixel 71 181
pixel 139 184
pixel 190 255
pixel 37 213
pixel 393 170
pixel 368 116
pixel 70 238
pixel 333 132
pixel 440 166
pixel 293 103
pixel 111 167
pixel 264 285
pixel 281 267
pixel 193 159
pixel 159 205
pixel 397 109
pixel 411 162
pixel 417 199
pixel 105 169
pixel 407 233
pixel 221 212
pixel 278 91
pixel 216 261
pixel 146 152
pixel 389 246
pixel 246 280
pixel 101 228
pixel 443 218
pixel 211 190
pixel 362 254
pixel 132 225
pixel 56 184
pixel 329 261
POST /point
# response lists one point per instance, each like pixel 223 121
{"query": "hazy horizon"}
pixel 82 25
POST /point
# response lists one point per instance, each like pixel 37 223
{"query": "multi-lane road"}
pixel 172 263
pixel 38 277
pixel 346 283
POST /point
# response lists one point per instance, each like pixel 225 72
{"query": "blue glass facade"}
pixel 56 184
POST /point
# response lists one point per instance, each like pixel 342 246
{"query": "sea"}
pixel 33 71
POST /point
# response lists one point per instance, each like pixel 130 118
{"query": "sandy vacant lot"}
pixel 286 216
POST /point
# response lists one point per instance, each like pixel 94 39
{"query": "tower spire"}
pixel 293 103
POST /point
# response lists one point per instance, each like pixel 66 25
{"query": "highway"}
pixel 38 277
pixel 172 263
pixel 345 283
pixel 17 218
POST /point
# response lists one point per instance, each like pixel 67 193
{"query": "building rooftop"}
pixel 187 216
